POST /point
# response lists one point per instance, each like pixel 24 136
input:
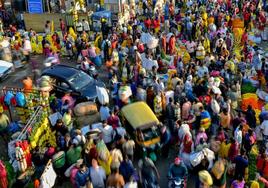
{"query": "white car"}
pixel 5 69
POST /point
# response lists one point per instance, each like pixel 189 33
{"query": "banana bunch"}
pixel 238 47
pixel 47 138
pixel 37 131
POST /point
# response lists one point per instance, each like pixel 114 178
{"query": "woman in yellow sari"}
pixel 206 44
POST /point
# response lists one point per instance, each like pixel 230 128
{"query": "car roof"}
pixel 61 71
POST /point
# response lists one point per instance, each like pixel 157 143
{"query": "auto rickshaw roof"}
pixel 139 115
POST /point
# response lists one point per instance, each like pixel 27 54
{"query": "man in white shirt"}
pixel 85 25
pixel 79 27
pixel 97 174
pixel 107 134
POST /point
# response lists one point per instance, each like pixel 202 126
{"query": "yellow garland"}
pixel 249 95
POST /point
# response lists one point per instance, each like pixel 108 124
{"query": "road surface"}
pixel 15 80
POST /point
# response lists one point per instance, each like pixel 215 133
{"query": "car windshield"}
pixel 80 80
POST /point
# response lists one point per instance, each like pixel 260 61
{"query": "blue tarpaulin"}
pixel 102 14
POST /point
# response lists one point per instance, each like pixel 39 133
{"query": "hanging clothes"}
pixel 48 177
pixel 26 149
pixel 20 157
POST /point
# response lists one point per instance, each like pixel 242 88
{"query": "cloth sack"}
pixel 85 108
pixel 215 106
pixel 218 169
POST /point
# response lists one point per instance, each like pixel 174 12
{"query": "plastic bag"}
pixel 20 99
pixel 215 106
pixel 13 127
pixel 8 98
pixel 196 158
pixel 103 96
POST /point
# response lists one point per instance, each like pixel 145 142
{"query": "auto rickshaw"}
pixel 142 124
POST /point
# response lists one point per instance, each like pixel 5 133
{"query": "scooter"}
pixel 175 183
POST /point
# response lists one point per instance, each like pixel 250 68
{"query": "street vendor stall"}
pixel 23 101
pixel 35 133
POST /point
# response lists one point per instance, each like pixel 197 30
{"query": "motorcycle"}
pixel 175 182
pixel 89 68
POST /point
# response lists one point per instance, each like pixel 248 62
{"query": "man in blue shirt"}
pixel 82 176
pixel 178 170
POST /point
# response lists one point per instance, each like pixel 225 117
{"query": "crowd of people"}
pixel 204 120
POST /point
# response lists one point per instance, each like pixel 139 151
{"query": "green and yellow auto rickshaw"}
pixel 142 124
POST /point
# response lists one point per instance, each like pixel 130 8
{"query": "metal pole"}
pixel 48 8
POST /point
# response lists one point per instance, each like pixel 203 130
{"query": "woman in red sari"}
pixel 172 42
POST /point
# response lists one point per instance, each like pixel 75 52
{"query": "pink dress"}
pixel 199 136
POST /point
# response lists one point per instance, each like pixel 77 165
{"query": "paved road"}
pixel 14 80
